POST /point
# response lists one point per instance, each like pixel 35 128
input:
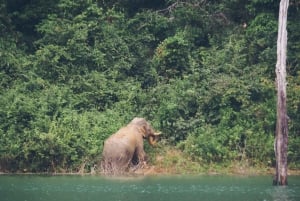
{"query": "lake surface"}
pixel 175 188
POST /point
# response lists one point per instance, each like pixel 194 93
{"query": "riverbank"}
pixel 174 162
pixel 157 171
pixel 215 170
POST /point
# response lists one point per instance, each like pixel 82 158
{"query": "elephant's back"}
pixel 126 133
pixel 123 140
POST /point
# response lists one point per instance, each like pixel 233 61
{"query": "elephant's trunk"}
pixel 152 140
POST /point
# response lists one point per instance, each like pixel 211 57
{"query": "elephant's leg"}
pixel 117 157
pixel 106 166
pixel 120 162
pixel 112 165
pixel 138 160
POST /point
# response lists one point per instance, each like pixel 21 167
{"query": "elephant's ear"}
pixel 143 131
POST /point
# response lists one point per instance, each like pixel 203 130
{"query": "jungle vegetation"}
pixel 72 72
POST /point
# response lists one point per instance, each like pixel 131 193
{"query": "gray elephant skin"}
pixel 125 148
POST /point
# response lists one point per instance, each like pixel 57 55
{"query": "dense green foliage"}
pixel 202 72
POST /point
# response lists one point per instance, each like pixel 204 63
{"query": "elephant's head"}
pixel 146 130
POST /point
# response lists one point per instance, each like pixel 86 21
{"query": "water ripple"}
pixel 146 189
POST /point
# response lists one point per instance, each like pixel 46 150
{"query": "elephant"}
pixel 125 148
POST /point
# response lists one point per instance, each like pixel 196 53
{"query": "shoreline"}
pixel 154 171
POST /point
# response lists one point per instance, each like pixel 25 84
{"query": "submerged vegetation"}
pixel 202 72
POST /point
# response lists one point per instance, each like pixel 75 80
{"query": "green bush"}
pixel 202 73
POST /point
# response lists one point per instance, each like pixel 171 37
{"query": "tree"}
pixel 281 139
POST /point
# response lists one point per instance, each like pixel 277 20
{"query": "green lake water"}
pixel 175 188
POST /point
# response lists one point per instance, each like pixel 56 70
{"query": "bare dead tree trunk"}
pixel 281 139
